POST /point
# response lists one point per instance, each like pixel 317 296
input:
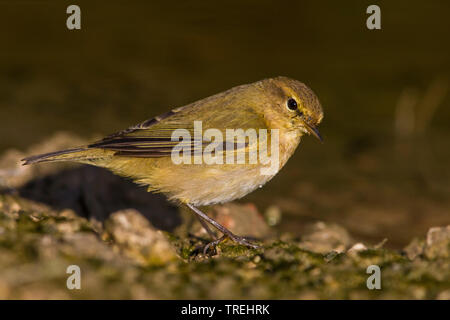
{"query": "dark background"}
pixel 383 169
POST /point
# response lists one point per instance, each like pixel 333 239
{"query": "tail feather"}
pixel 63 155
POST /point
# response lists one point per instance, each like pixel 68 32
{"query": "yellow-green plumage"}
pixel 142 152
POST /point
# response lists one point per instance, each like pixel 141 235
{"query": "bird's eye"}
pixel 291 104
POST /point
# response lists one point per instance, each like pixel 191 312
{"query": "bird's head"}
pixel 296 106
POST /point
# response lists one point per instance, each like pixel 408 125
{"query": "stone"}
pixel 138 239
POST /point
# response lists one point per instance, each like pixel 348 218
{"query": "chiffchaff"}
pixel 197 169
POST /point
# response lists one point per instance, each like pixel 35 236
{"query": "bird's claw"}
pixel 240 240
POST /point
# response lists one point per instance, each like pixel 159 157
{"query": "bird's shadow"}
pixel 96 193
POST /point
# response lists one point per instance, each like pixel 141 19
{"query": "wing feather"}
pixel 153 137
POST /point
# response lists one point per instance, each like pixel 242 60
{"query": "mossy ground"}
pixel 37 244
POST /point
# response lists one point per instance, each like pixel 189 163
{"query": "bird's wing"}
pixel 153 138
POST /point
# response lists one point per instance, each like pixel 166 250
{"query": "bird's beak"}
pixel 313 130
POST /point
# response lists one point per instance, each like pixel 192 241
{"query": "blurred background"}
pixel 382 171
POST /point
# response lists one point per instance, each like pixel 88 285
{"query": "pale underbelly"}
pixel 212 184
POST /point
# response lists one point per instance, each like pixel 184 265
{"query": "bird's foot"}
pixel 212 245
pixel 240 240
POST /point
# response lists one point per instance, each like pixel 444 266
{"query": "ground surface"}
pixel 128 258
pixel 52 217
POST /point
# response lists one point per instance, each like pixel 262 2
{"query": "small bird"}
pixel 275 112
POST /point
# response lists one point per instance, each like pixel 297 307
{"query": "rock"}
pixel 241 219
pixel 86 245
pixel 134 235
pixel 14 175
pixel 415 248
pixel 322 237
pixel 273 215
pixel 435 246
pixel 438 243
pixel 357 247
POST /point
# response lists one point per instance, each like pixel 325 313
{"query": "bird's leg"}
pixel 205 226
pixel 226 233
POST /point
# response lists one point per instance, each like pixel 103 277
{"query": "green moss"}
pixel 279 270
